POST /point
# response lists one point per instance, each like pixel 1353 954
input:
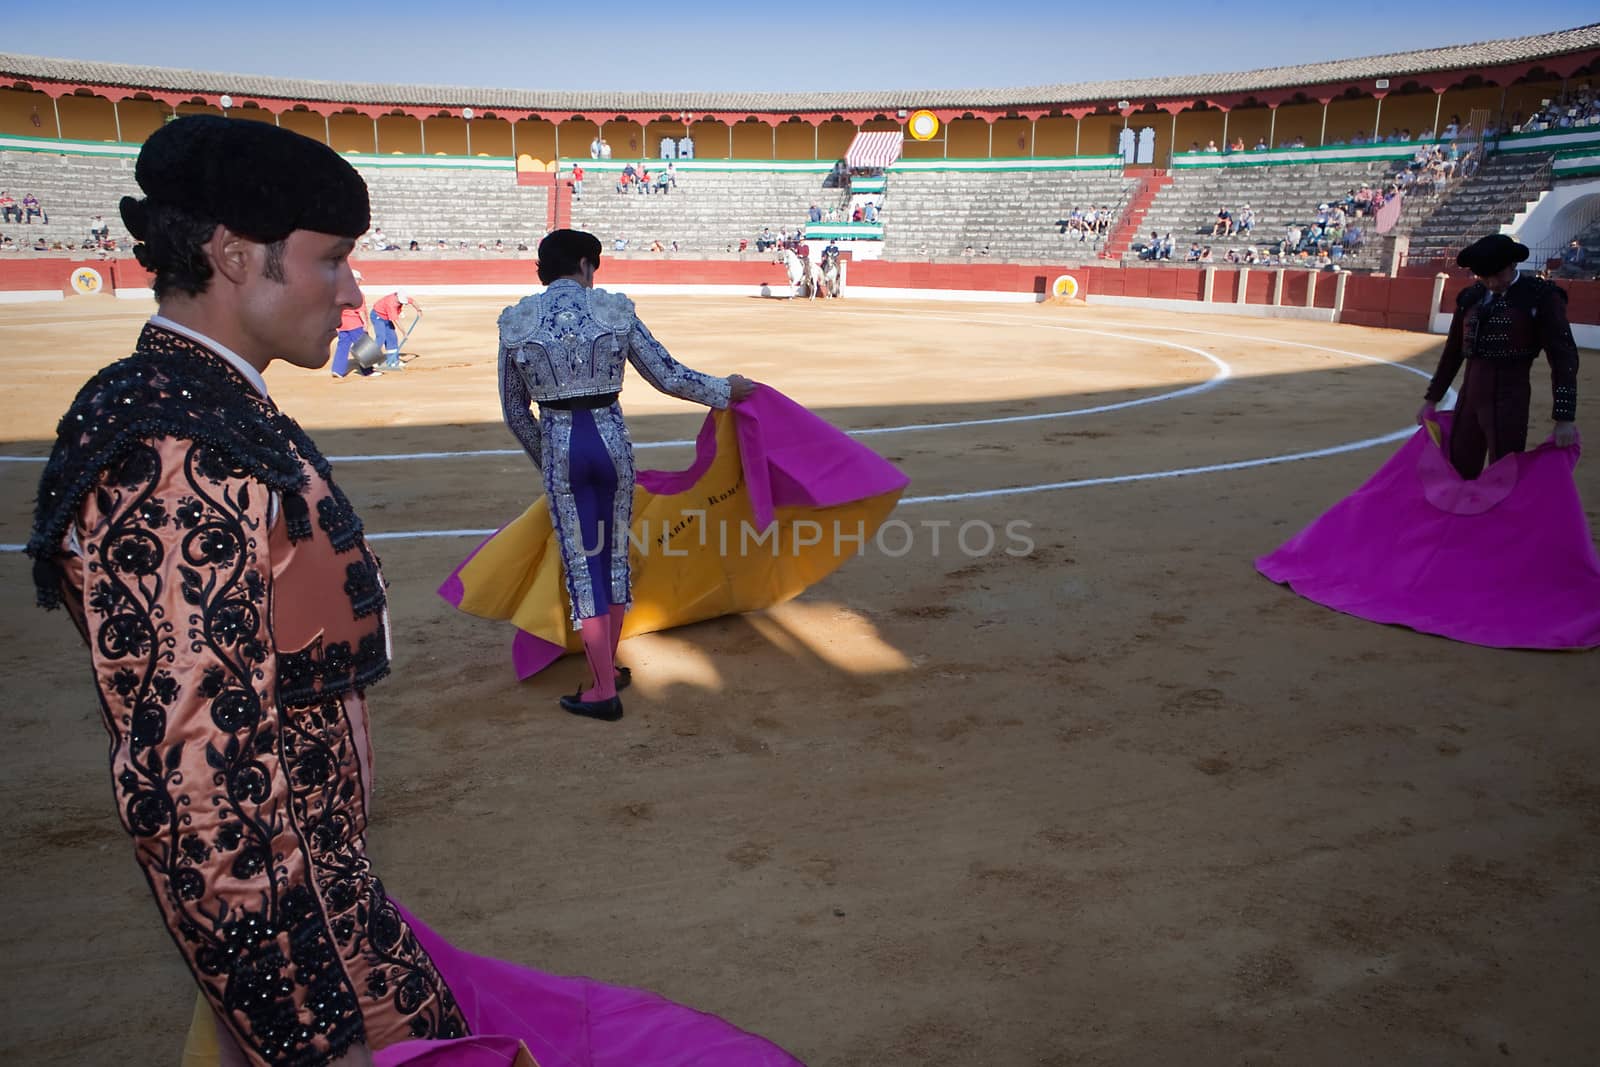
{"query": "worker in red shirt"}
pixel 577 182
pixel 385 323
pixel 352 327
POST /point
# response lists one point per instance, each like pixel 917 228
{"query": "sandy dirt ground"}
pixel 1118 800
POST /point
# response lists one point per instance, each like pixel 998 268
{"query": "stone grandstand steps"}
pixel 708 213
pixel 425 204
pixel 1012 214
pixel 72 189
pixel 1476 206
pixel 429 205
pixel 1278 195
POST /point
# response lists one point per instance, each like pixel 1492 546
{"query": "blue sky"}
pixel 679 45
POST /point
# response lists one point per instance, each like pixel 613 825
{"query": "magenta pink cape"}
pixel 569 1022
pixel 1504 561
pixel 768 462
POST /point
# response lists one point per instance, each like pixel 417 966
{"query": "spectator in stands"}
pixel 1168 245
pixel 1291 239
pixel 41 245
pixel 814 214
pixel 1298 142
pixel 30 204
pixel 605 148
pixel 642 175
pixel 1237 145
pixel 870 212
pixel 594 146
pixel 8 205
pixel 1245 222
pixel 669 178
pixel 1193 255
pixel 7 245
pixel 1152 250
pixel 414 246
pixel 620 244
pixel 378 241
pixel 765 239
pixel 1194 146
pixel 968 251
pixel 657 246
pixel 99 230
pixel 625 179
pixel 1453 128
pixel 1573 260
pixel 1352 237
pixel 1211 146
pixel 386 324
pixel 577 182
pixel 1223 226
pixel 1261 145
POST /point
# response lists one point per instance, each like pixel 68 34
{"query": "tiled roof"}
pixel 1398 64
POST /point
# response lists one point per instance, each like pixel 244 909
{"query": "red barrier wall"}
pixel 34 275
pixel 1370 300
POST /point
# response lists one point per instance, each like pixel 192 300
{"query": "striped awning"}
pixel 874 150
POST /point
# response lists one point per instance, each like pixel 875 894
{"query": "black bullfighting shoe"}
pixel 604 710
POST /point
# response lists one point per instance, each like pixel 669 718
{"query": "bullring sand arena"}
pixel 1112 800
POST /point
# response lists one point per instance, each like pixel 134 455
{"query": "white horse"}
pixel 801 273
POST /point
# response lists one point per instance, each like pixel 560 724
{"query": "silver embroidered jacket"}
pixel 570 341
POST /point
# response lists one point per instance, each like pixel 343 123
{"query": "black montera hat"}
pixel 260 181
pixel 1491 255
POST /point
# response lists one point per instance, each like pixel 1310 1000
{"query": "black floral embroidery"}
pixel 364 921
pixel 273 967
pixel 338 520
pixel 189 513
pixel 296 517
pixel 279 962
pixel 154 514
pixel 124 682
pixel 104 598
pixel 363 586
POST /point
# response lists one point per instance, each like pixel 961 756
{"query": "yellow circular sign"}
pixel 923 125
pixel 87 280
pixel 1066 285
